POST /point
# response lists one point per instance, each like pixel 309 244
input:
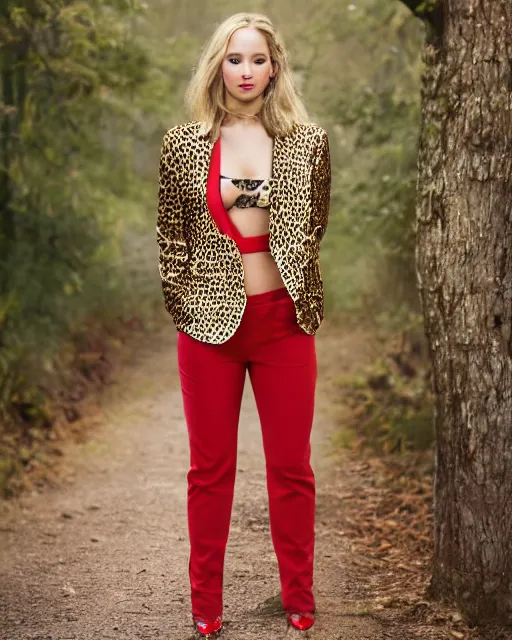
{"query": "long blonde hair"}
pixel 282 107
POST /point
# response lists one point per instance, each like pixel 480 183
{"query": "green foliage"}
pixel 369 261
pixel 70 69
pixel 392 406
pixel 375 117
pixel 426 7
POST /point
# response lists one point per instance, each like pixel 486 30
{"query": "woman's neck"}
pixel 245 111
pixel 241 121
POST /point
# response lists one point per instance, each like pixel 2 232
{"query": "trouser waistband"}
pixel 267 296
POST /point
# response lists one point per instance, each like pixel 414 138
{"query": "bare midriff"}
pixel 260 269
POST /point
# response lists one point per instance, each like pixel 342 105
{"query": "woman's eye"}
pixel 236 61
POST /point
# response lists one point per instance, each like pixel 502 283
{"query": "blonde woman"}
pixel 243 205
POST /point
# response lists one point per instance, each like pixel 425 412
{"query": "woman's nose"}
pixel 247 71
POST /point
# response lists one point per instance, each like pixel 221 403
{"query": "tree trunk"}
pixel 464 268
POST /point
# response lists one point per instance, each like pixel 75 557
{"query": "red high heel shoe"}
pixel 209 629
pixel 301 621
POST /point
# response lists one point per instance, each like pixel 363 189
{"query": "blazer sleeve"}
pixel 321 186
pixel 171 232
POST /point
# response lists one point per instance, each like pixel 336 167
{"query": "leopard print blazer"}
pixel 201 268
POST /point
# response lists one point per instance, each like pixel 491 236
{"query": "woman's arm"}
pixel 170 221
pixel 321 186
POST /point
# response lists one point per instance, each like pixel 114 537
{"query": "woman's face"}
pixel 246 68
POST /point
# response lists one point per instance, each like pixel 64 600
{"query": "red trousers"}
pixel 281 360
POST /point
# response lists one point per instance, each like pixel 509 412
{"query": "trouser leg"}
pixel 283 376
pixel 212 383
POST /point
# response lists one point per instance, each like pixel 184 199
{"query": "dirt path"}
pixel 105 554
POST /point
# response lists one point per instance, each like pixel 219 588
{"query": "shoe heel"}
pixel 208 630
pixel 301 621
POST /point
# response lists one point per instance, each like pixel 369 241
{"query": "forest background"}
pixel 88 90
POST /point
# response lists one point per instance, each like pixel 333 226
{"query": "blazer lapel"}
pixel 203 159
pixel 278 181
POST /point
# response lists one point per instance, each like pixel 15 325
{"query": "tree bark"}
pixel 464 269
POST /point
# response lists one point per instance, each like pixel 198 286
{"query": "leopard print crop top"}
pixel 255 193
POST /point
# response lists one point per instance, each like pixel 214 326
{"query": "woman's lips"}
pixel 246 87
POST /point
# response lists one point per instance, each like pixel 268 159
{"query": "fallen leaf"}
pixel 385 544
